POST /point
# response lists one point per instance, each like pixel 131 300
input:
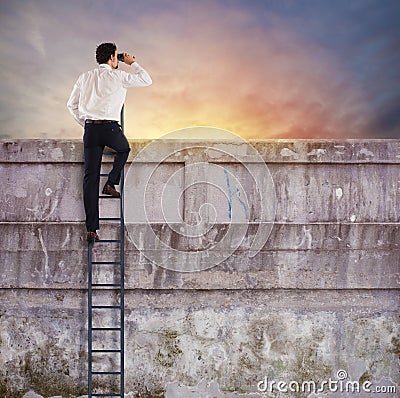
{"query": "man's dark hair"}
pixel 104 52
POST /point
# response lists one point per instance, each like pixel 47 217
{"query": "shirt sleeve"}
pixel 139 77
pixel 73 104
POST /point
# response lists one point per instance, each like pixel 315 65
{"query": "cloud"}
pixel 241 68
pixel 222 69
pixel 30 25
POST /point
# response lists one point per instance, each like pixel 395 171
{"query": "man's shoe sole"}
pixel 114 194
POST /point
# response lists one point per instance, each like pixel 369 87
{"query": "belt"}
pixel 90 121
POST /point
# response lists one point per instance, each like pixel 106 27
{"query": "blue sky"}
pixel 262 69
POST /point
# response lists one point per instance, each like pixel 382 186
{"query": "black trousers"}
pixel 95 138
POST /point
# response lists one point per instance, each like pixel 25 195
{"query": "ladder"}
pixel 98 378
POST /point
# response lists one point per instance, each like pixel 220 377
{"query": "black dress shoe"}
pixel 92 237
pixel 109 190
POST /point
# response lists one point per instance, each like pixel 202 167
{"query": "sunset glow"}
pixel 261 69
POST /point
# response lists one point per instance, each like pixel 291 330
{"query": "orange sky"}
pixel 279 84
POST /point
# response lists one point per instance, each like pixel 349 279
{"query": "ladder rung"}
pixel 106 350
pixel 106 328
pixel 108 241
pixel 109 153
pixel 110 218
pixel 106 262
pixel 106 373
pixel 108 197
pixel 106 395
pixel 106 284
pixel 102 307
pixel 103 174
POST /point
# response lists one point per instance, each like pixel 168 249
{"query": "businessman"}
pixel 95 103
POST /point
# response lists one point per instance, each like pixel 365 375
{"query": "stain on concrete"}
pixel 286 152
pixel 168 348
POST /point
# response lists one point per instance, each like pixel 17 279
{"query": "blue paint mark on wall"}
pixel 232 194
pixel 228 184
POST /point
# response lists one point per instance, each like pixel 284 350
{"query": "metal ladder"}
pixel 95 288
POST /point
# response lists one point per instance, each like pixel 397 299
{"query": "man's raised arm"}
pixel 139 77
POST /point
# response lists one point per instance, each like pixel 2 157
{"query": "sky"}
pixel 269 69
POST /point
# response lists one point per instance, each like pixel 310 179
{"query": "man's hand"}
pixel 129 59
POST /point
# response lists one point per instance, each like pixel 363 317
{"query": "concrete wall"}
pixel 320 296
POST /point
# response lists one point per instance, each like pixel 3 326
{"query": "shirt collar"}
pixel 106 66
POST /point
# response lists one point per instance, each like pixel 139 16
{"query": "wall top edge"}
pixel 267 140
pixel 252 151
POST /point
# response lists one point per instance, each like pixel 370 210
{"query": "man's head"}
pixel 106 53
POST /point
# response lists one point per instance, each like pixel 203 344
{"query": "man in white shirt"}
pixel 95 103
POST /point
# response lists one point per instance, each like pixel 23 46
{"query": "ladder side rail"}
pixel 90 323
pixel 122 276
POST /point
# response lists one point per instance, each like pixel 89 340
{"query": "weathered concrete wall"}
pixel 321 295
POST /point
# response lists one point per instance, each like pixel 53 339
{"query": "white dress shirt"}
pixel 100 93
